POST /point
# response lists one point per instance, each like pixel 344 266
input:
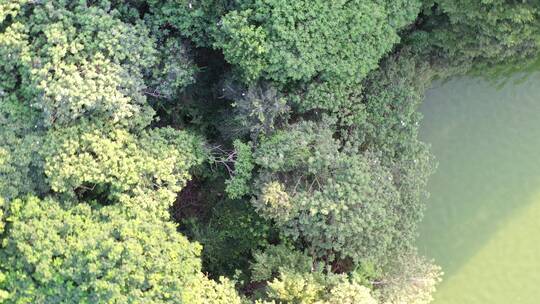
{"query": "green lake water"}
pixel 482 224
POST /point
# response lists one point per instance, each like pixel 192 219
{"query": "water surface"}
pixel 482 224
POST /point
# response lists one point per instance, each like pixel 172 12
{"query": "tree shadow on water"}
pixel 486 142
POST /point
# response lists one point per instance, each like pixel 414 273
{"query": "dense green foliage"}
pixel 287 41
pixel 73 63
pixel 324 198
pixel 79 254
pixel 294 278
pixel 148 146
pixel 140 171
pixel 469 31
pixel 74 120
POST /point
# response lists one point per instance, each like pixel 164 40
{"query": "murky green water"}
pixel 482 224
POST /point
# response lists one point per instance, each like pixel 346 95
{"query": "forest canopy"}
pixel 228 151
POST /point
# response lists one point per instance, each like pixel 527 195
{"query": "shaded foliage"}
pixel 229 236
pixel 468 32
